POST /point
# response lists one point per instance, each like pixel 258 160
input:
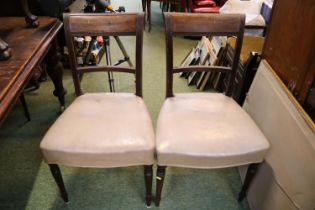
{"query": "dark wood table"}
pixel 30 47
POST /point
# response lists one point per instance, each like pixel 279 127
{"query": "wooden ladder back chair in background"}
pixel 205 130
pixel 102 130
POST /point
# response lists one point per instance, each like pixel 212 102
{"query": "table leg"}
pixel 184 6
pixel 149 13
pixel 144 5
pixel 144 9
pixel 54 70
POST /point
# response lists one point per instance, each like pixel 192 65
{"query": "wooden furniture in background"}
pixel 290 47
pixel 30 19
pixel 146 7
pixel 30 46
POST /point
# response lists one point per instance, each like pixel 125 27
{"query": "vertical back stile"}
pixel 169 55
pixel 139 53
pixel 237 53
pixel 72 55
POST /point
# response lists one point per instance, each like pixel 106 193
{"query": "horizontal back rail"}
pixel 86 69
pixel 121 24
pixel 222 69
pixel 198 24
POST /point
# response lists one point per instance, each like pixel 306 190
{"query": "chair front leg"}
pixel 250 174
pixel 148 175
pixel 55 171
pixel 160 174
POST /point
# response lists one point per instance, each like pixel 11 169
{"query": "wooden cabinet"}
pixel 290 47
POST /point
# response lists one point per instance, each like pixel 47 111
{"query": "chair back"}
pixel 113 24
pixel 197 24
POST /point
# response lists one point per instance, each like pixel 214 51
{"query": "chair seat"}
pixel 213 9
pixel 107 130
pixel 207 130
pixel 202 3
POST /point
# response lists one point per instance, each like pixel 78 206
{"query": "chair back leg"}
pixel 251 172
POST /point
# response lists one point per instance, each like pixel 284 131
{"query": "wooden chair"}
pixel 102 130
pixel 205 130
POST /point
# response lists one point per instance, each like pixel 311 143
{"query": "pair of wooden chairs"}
pixel 202 130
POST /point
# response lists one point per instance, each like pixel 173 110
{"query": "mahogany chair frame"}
pixel 200 24
pixel 189 24
pixel 122 24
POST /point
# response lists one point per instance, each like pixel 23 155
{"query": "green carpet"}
pixel 26 182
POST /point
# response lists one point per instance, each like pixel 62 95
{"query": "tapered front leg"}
pixel 160 174
pixel 250 174
pixel 55 171
pixel 148 175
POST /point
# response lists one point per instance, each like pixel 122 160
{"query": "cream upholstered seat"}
pixel 102 130
pixel 205 130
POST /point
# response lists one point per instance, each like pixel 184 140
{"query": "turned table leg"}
pixel 54 70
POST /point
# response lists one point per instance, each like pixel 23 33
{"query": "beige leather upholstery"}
pixel 101 130
pixel 207 130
